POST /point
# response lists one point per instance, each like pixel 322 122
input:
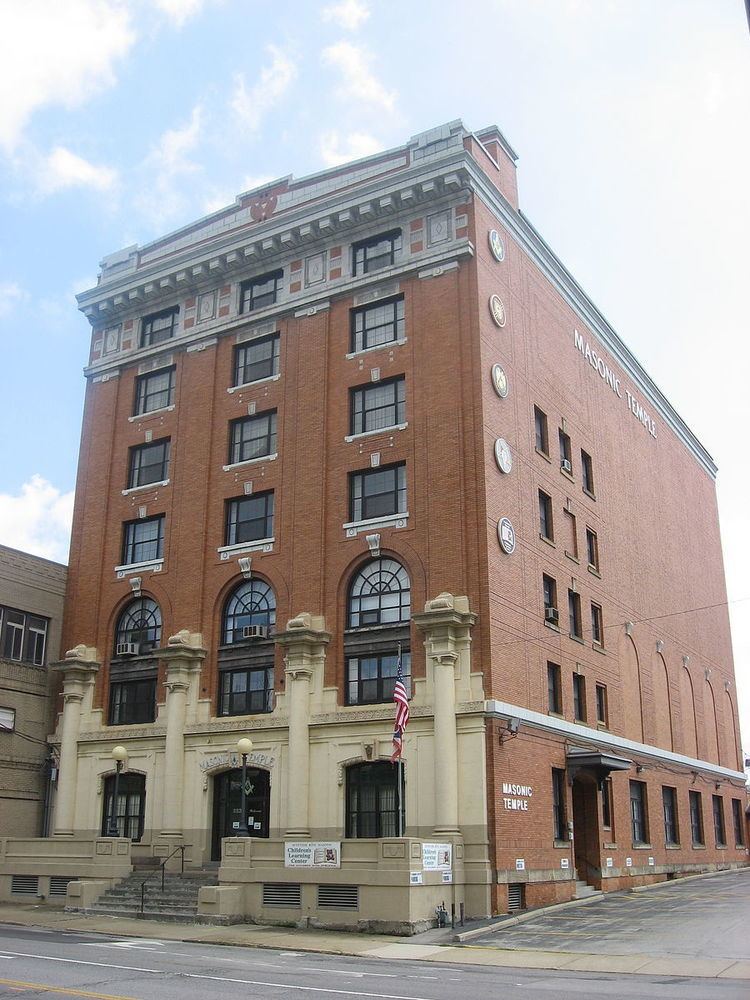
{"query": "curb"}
pixel 521 918
pixel 687 878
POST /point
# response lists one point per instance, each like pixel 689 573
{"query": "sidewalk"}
pixel 424 948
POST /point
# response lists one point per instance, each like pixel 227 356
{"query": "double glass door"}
pixel 227 817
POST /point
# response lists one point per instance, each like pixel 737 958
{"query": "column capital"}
pixel 445 610
pixel 304 633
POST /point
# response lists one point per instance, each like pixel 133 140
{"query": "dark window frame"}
pixel 251 700
pixel 549 596
pixel 139 622
pixel 364 337
pixel 720 826
pixel 738 822
pixel 143 394
pixel 697 834
pixel 251 602
pixel 587 473
pixel 373 582
pixel 554 688
pixel 579 698
pixel 671 816
pixel 132 701
pixel 131 545
pixel 242 446
pixel 361 502
pixel 373 799
pixel 608 811
pixel 639 813
pixel 575 623
pixel 378 688
pixel 559 806
pixel 602 706
pixel 137 468
pixel 269 366
pixel 365 408
pixel 23 640
pixel 541 431
pixel 592 548
pixel 151 337
pixel 250 300
pixel 566 451
pixel 233 535
pixel 546 522
pixel 597 624
pixel 132 789
pixel 365 263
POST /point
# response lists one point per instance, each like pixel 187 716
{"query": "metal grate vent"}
pixel 282 894
pixel 58 885
pixel 338 897
pixel 25 885
pixel 515 896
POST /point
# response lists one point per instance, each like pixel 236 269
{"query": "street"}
pixel 52 963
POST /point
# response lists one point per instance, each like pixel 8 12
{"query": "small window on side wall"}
pixel 257 359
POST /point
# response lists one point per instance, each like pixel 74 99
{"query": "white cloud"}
pixel 162 198
pixel 349 14
pixel 10 296
pixel 358 82
pixel 57 54
pixel 37 520
pixel 64 169
pixel 275 79
pixel 335 149
pixel 180 11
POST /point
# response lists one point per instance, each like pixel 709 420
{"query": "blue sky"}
pixel 123 119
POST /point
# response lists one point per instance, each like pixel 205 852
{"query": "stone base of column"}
pixel 168 842
pixel 298 834
pixel 64 833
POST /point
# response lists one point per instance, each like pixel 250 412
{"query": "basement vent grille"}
pixel 58 885
pixel 338 897
pixel 282 894
pixel 515 896
pixel 25 885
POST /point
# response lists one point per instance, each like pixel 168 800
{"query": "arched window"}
pixel 378 613
pixel 380 594
pixel 252 603
pixel 139 624
pixel 374 799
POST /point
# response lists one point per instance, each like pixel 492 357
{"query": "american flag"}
pixel 402 711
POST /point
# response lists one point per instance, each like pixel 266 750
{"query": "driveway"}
pixel 699 918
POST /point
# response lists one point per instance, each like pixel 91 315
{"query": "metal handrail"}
pixel 163 866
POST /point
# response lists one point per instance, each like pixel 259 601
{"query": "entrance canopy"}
pixel 594 763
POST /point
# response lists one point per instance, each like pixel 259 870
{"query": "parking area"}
pixel 699 918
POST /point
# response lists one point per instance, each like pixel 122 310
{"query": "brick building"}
pixel 364 413
pixel 32 591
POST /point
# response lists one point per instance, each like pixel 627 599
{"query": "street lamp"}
pixel 244 746
pixel 119 755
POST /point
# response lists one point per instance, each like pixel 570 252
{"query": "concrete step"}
pixel 584 890
pixel 169 916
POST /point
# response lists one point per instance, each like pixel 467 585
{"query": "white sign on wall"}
pixel 520 864
pixel 564 863
pixel 415 878
pixel 312 854
pixel 437 857
pixel 516 797
pixel 613 380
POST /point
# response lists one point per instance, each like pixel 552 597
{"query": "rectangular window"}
pixel 574 614
pixel 696 819
pixel 671 829
pixel 566 455
pixel 607 810
pixel 587 473
pixel 554 689
pixel 246 692
pixel 154 391
pixel 579 697
pixel 376 252
pixel 149 463
pixel 720 834
pixel 143 540
pixel 597 625
pixel 638 817
pixel 546 529
pixel 7 720
pixel 257 359
pixel 592 549
pixel 549 595
pixel 541 431
pixel 159 327
pixel 371 679
pixel 738 822
pixel 132 702
pixel 602 712
pixel 252 437
pixel 374 325
pixel 376 406
pixel 571 534
pixel 559 812
pixel 257 293
pixel 23 636
pixel 377 492
pixel 249 519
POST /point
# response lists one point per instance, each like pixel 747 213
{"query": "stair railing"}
pixel 163 867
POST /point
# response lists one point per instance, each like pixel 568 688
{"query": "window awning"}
pixel 595 762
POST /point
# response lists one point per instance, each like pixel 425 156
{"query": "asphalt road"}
pixel 44 963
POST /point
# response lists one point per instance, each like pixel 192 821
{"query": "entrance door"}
pixel 228 805
pixel 586 828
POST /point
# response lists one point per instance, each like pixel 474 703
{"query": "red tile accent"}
pixel 128 324
pixel 416 224
pixel 189 323
pixel 416 247
pixel 223 310
pixel 335 273
pixel 462 231
pixel 295 286
pixel 225 290
pixel 296 265
pixel 335 251
pixel 190 303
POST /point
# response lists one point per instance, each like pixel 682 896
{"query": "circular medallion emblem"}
pixel 500 381
pixel 496 245
pixel 497 310
pixel 506 535
pixel 503 456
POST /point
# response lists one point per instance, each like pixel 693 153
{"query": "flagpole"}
pixel 400 774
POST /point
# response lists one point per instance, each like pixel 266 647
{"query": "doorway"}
pixel 586 828
pixel 227 809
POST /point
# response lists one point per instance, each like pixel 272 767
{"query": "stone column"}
pixel 304 643
pixel 446 623
pixel 79 669
pixel 183 657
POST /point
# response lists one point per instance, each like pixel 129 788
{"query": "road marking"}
pixel 350 972
pixel 70 991
pixel 80 961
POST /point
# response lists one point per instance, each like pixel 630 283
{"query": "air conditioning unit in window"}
pixel 566 466
pixel 552 615
pixel 254 632
pixel 127 649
